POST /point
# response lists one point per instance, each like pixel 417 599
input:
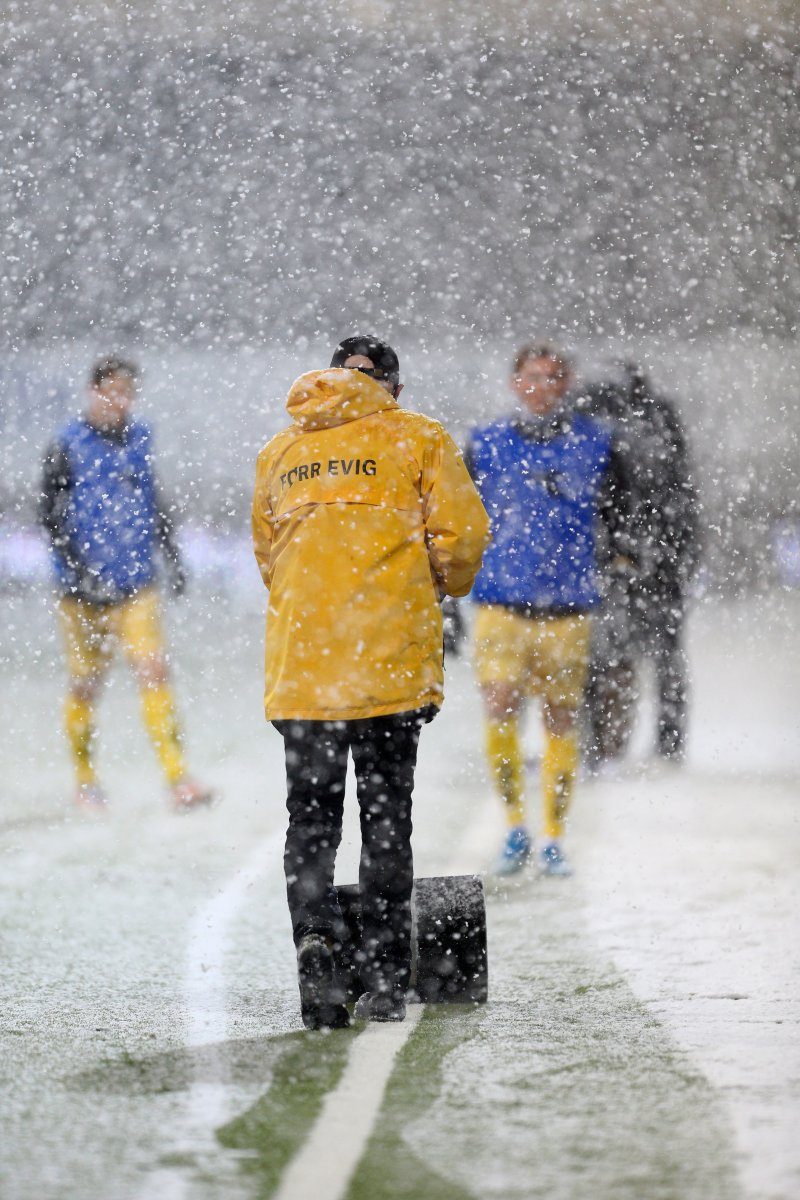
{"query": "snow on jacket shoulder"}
pixel 362 514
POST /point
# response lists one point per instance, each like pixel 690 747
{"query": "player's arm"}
pixel 262 520
pixel 54 501
pixel 456 524
pixel 616 506
pixel 685 518
pixel 690 547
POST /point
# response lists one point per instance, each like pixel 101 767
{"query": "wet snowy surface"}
pixel 642 1034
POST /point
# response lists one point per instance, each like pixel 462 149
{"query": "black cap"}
pixel 381 355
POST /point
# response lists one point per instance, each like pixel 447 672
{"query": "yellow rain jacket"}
pixel 363 514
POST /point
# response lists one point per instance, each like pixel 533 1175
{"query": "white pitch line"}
pixel 205 973
pixel 205 985
pixel 207 1016
pixel 328 1159
pixel 326 1164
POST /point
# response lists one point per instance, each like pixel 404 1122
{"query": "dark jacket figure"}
pixel 644 608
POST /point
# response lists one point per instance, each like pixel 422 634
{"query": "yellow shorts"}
pixel 92 632
pixel 539 656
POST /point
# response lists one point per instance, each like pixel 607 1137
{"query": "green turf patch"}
pixel 273 1130
pixel 129 1075
pixel 244 1062
pixel 570 1087
pixel 389 1169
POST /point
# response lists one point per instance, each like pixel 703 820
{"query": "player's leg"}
pixel 500 664
pixel 140 630
pixel 385 755
pixel 316 770
pixel 565 656
pixel 87 646
pixel 672 673
pixel 610 693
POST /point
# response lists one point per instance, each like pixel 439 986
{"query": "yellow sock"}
pixel 508 770
pixel 79 723
pixel 559 767
pixel 158 708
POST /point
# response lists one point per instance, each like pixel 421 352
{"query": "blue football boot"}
pixel 550 860
pixel 515 852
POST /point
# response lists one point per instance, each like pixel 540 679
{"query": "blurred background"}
pixel 224 191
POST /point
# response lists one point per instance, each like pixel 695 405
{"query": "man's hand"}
pixel 94 589
pixel 623 567
pixel 176 578
pixel 452 626
pixel 89 584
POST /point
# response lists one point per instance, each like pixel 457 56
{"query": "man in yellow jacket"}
pixel 364 518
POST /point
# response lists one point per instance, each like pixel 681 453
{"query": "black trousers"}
pixel 661 634
pixel 384 751
pixel 648 623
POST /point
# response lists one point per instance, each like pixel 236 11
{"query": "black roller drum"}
pixel 449 958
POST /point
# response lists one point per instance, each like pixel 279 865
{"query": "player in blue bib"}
pixel 547 475
pixel 100 507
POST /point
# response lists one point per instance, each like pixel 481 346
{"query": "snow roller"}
pixel 448 940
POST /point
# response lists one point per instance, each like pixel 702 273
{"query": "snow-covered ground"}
pixel 641 1039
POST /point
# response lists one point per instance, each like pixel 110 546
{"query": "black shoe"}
pixel 380 1006
pixel 321 999
pixel 671 748
pixel 671 743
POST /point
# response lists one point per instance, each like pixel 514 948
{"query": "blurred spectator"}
pixel 643 609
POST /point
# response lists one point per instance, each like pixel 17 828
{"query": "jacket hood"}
pixel 320 399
